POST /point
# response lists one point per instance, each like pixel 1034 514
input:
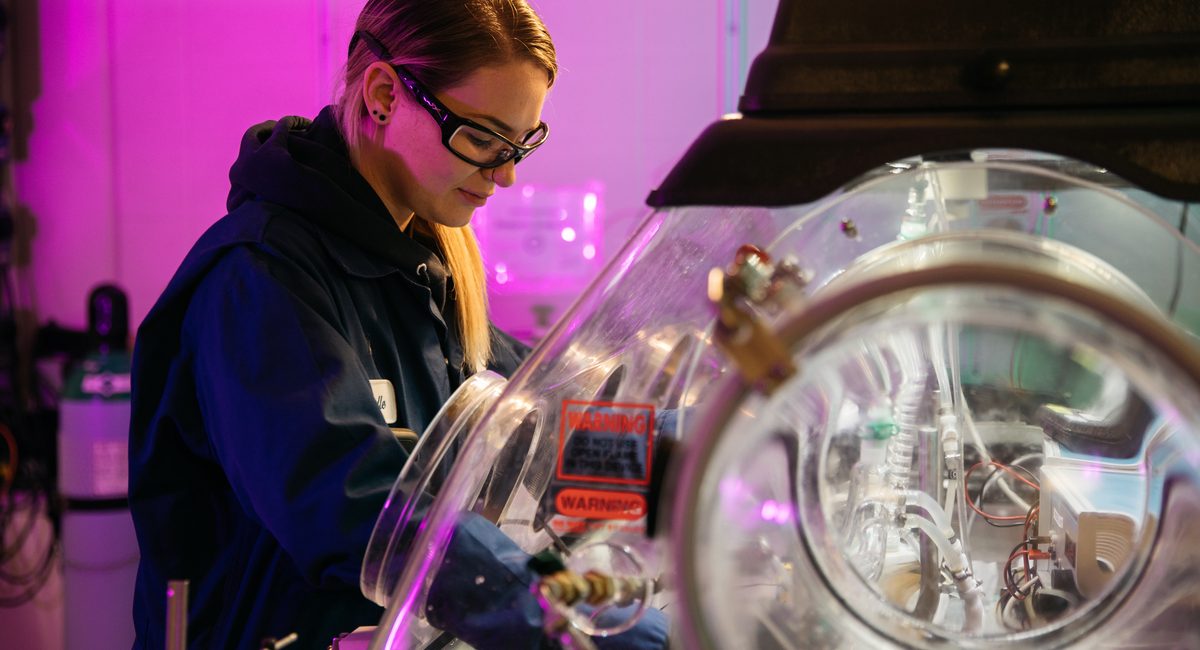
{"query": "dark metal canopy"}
pixel 845 87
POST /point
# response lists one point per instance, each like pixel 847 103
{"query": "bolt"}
pixel 849 229
pixel 1050 205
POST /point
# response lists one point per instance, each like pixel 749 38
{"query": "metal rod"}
pixel 177 609
pixel 929 480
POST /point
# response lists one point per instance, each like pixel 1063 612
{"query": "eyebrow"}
pixel 504 128
pixel 496 122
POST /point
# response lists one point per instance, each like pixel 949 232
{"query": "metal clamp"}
pixel 753 284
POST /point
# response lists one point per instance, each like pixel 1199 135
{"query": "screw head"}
pixel 849 228
pixel 1050 205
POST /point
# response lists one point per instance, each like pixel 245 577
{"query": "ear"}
pixel 379 90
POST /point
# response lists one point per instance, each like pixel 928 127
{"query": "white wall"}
pixel 138 107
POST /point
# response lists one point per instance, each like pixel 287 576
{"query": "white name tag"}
pixel 385 397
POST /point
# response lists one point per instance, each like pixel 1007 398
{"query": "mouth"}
pixel 477 200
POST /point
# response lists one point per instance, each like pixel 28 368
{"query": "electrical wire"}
pixel 1017 464
pixel 1027 550
pixel 988 516
pixel 27 490
pixel 29 583
pixel 17 542
pixel 28 496
pixel 996 473
pixel 1010 582
pixel 977 440
pixel 1030 517
pixel 8 473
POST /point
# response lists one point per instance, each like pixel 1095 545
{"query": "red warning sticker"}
pixel 606 442
pixel 600 504
pixel 1013 203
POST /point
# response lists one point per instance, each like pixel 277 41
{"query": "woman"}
pixel 339 302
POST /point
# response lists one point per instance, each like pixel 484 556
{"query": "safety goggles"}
pixel 469 140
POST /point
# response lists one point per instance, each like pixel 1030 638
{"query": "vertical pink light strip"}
pixel 113 143
pixel 66 180
pixel 722 53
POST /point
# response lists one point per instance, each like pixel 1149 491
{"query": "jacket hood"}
pixel 304 166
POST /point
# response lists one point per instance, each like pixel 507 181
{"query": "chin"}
pixel 460 221
pixel 454 218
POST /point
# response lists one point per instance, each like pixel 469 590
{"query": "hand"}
pixel 482 594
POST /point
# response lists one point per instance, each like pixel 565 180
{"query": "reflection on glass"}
pixel 947 466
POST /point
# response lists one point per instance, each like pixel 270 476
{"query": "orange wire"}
pixel 9 473
pixel 1030 517
pixel 971 502
pixel 1030 554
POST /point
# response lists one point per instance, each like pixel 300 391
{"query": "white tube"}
pixel 906 409
pixel 952 454
pixel 956 503
pixel 972 597
pixel 951 499
pixel 975 437
pixel 937 358
pixel 936 513
pixel 956 561
pixel 951 552
pixel 970 425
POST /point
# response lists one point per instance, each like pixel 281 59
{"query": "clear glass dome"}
pixel 970 461
pixel 579 447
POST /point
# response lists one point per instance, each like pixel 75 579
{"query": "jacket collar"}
pixel 364 264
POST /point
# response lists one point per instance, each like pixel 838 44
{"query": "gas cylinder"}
pixel 100 551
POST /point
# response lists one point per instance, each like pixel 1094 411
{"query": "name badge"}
pixel 385 397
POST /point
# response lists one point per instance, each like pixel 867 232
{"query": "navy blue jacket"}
pixel 259 459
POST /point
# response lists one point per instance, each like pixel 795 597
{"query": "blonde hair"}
pixel 442 42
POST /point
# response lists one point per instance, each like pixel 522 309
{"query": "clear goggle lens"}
pixel 484 148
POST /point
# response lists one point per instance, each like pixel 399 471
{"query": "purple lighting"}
pixel 773 511
pixel 544 244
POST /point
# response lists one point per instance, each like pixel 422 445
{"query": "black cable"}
pixel 28 584
pixel 29 477
pixel 18 541
pixel 983 488
pixel 1009 582
pixel 1183 223
pixel 36 582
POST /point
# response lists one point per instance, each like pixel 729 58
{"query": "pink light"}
pixel 568 234
pixel 768 509
pixel 589 251
pixel 776 512
pixel 734 489
pixel 589 202
pixel 527 191
pixel 501 278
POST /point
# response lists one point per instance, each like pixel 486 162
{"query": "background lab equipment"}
pixel 906 356
pixel 99 545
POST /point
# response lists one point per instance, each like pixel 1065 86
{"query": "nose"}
pixel 504 175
